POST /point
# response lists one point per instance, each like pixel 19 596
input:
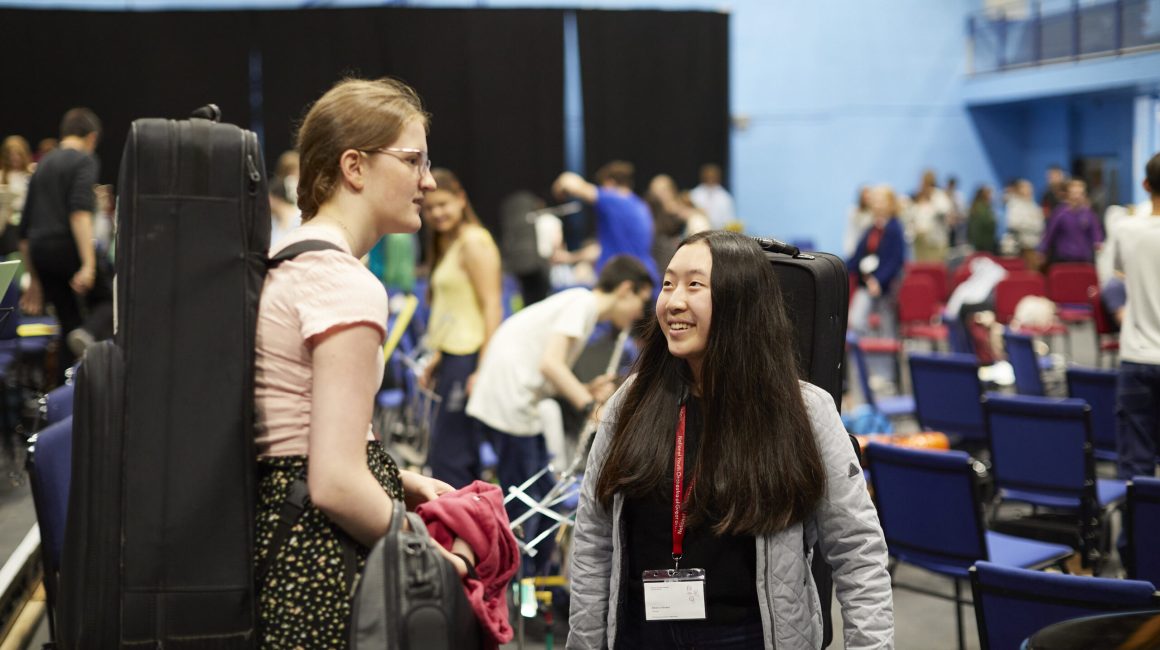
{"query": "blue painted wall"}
pixel 831 94
pixel 1023 138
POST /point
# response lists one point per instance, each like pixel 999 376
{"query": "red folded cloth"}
pixel 476 515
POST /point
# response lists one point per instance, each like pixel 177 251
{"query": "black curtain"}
pixel 656 91
pixel 492 80
pixel 122 65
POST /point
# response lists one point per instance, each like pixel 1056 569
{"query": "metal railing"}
pixel 1024 33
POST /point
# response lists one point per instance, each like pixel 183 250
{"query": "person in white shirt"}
pixel 1136 254
pixel 530 357
pixel 712 198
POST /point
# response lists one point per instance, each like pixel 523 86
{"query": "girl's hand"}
pixel 419 489
pixel 455 560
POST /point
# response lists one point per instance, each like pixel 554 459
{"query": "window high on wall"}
pixel 1009 34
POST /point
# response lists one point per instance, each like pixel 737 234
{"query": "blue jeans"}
pixel 1137 419
pixel 689 635
pixel 455 437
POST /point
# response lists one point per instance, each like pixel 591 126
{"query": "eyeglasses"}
pixel 416 158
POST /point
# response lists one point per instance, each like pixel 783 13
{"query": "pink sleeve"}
pixel 335 290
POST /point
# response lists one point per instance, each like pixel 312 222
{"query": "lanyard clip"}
pixel 677 561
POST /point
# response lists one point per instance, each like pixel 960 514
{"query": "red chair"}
pixel 1012 264
pixel 1107 338
pixel 1012 289
pixel 920 310
pixel 1068 284
pixel 936 271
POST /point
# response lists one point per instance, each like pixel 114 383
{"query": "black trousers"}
pixel 56 262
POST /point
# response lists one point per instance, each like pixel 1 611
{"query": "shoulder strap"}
pixel 304 246
pixel 290 512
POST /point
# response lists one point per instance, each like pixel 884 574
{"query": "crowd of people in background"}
pixel 934 224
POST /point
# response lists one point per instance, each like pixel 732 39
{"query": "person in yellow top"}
pixel 465 312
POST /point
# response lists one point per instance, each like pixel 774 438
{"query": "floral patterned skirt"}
pixel 304 602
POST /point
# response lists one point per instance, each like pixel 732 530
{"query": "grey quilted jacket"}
pixel 845 522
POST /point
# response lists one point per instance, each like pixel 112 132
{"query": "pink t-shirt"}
pixel 303 298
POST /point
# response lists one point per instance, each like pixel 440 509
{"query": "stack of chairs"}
pixel 49 466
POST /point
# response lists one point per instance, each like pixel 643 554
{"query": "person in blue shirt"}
pixel 624 224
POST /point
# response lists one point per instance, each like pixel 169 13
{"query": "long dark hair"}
pixel 758 469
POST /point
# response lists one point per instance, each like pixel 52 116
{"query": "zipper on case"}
pixel 252 170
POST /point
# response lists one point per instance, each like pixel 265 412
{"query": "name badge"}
pixel 674 594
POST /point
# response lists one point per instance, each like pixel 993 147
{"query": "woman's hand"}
pixel 602 387
pixel 456 561
pixel 418 489
pixel 32 302
pixel 427 377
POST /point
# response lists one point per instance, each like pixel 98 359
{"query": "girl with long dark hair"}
pixel 715 464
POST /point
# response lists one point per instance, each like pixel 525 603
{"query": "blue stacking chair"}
pixel 1097 387
pixel 58 404
pixel 1025 362
pixel 49 467
pixel 1041 454
pixel 1142 529
pixel 889 405
pixel 948 395
pixel 1013 604
pixel 929 508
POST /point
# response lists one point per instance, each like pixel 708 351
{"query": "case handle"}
pixel 777 246
pixel 209 112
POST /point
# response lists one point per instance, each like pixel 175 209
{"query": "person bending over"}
pixel 530 358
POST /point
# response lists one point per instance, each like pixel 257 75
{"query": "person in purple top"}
pixel 1073 231
pixel 624 224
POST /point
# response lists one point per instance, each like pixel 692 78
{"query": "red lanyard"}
pixel 679 496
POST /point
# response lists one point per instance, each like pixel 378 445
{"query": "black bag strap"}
pixel 295 503
pixel 292 508
pixel 304 246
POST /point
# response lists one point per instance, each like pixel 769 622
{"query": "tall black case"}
pixel 89 591
pixel 193 231
pixel 816 290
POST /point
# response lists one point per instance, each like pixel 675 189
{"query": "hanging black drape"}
pixel 122 65
pixel 656 91
pixel 655 82
pixel 490 78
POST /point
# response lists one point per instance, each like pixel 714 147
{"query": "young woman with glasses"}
pixel 319 362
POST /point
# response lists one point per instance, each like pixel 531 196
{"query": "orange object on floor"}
pixel 929 440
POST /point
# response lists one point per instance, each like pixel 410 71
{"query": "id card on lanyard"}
pixel 676 594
